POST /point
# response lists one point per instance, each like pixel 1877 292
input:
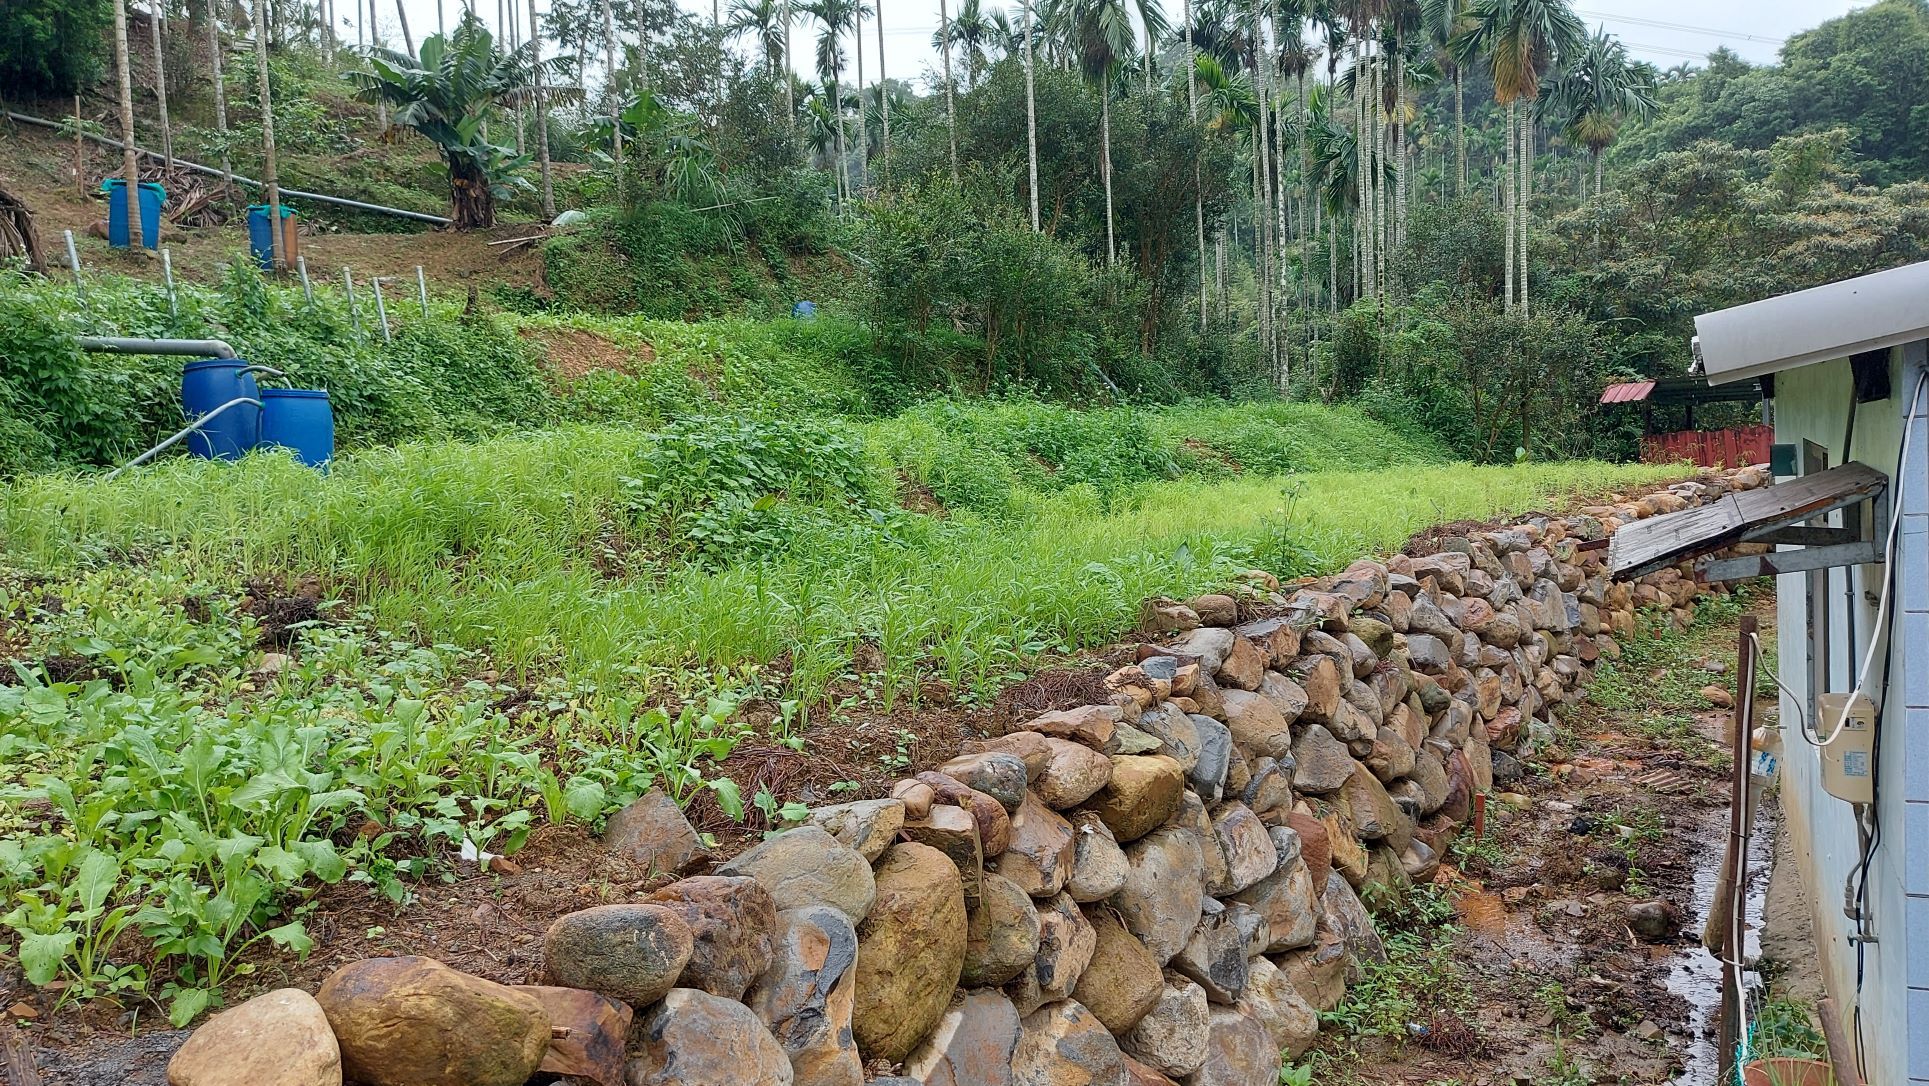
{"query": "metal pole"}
pixel 1731 896
pixel 422 289
pixel 381 311
pixel 307 288
pixel 348 287
pixel 73 261
pixel 167 276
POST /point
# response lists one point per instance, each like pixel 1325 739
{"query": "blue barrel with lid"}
pixel 205 386
pixel 151 198
pixel 300 420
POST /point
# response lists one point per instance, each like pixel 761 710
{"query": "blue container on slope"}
pixel 300 420
pixel 151 197
pixel 205 386
pixel 261 240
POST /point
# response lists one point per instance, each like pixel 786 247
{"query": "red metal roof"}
pixel 1631 392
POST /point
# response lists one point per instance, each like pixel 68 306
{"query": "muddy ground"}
pixel 1549 983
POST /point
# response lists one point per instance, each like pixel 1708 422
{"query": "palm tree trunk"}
pixel 156 21
pixel 1507 199
pixel 1597 174
pixel 790 91
pixel 863 144
pixel 408 41
pixel 1526 193
pixel 1261 301
pixel 843 162
pixel 1198 153
pixel 268 181
pixel 1332 265
pixel 542 113
pixel 1262 195
pixel 1031 120
pixel 884 101
pixel 1460 128
pixel 1105 166
pixel 951 111
pixel 220 93
pixel 130 162
pixel 609 93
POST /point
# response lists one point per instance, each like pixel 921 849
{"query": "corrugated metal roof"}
pixel 1631 392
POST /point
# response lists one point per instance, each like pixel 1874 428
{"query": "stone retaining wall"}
pixel 1164 888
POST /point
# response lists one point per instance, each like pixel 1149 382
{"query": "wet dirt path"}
pixel 1572 950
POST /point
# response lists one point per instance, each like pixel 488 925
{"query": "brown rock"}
pixel 588 1032
pixel 1072 774
pixel 653 834
pixel 1065 945
pixel 807 866
pixel 1163 894
pixel 1092 725
pixel 1002 938
pixel 1285 897
pixel 1271 998
pixel 910 951
pixel 1318 972
pixel 916 797
pixel 413 1021
pixel 1001 776
pixel 1139 1074
pixel 1319 677
pixel 1034 748
pixel 732 921
pixel 806 997
pixel 1315 847
pixel 1064 1044
pixel 1098 864
pixel 972 1045
pixel 1239 1052
pixel 1171 1037
pixel 694 1038
pixel 1243 667
pixel 632 953
pixel 994 824
pixel 1159 615
pixel 1215 957
pixel 278 1038
pixel 1241 839
pixel 952 831
pixel 1143 792
pixel 1257 726
pixel 1215 609
pixel 866 825
pixel 1122 982
pixel 1041 851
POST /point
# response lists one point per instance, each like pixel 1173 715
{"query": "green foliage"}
pixel 52 47
pixel 1784 1027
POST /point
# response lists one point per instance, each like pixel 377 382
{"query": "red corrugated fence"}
pixel 1740 446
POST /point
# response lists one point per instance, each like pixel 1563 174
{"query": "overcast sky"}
pixel 1666 32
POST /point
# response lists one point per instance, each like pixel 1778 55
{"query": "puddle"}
pixel 1695 974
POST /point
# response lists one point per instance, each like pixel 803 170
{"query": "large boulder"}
pixel 278 1038
pixel 653 834
pixel 1348 919
pixel 1002 938
pixel 972 1045
pixel 1161 900
pixel 1122 983
pixel 952 831
pixel 910 953
pixel 1001 776
pixel 1241 838
pixel 1041 851
pixel 1064 1044
pixel 1257 725
pixel 693 1038
pixel 732 921
pixel 806 997
pixel 808 866
pixel 634 953
pixel 1239 1052
pixel 1285 897
pixel 1321 763
pixel 1271 998
pixel 1066 942
pixel 1171 1038
pixel 412 1021
pixel 1071 775
pixel 1178 736
pixel 1142 794
pixel 1319 678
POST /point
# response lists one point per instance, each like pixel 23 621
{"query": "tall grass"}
pixel 514 546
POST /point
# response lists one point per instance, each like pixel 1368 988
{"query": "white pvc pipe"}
pixel 185 431
pixel 194 348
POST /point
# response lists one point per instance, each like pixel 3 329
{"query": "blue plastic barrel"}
pixel 206 385
pixel 152 197
pixel 301 421
pixel 260 241
pixel 804 311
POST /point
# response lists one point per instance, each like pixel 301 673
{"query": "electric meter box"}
pixel 1848 764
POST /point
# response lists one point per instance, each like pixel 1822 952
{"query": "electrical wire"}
pixel 1888 558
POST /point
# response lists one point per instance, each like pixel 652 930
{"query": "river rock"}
pixel 1065 945
pixel 694 1038
pixel 1215 957
pixel 588 1033
pixel 1315 846
pixel 1159 615
pixel 952 831
pixel 1178 736
pixel 1239 1052
pixel 1319 678
pixel 1073 774
pixel 1143 792
pixel 806 997
pixel 413 1021
pixel 1321 763
pixel 732 921
pixel 1032 747
pixel 1241 838
pixel 1122 982
pixel 1285 897
pixel 867 825
pixel 1098 864
pixel 1208 776
pixel 1284 694
pixel 1171 1037
pixel 1256 724
pixel 808 866
pixel 653 834
pixel 1003 777
pixel 1209 645
pixel 1243 666
pixel 1318 971
pixel 1392 755
pixel 1002 938
pixel 1041 851
pixel 1064 1044
pixel 994 825
pixel 972 1045
pixel 1348 919
pixel 1289 1019
pixel 1092 725
pixel 634 953
pixel 1144 1074
pixel 1160 902
pixel 278 1038
pixel 910 951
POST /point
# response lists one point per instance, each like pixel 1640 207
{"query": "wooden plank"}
pixel 1655 538
pixel 1805 495
pixel 1648 545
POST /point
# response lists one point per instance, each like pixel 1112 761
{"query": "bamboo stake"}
pixel 381 310
pixel 307 288
pixel 73 261
pixel 348 288
pixel 167 277
pixel 422 290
